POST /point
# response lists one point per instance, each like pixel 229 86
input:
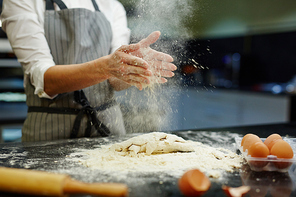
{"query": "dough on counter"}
pixel 153 143
pixel 145 154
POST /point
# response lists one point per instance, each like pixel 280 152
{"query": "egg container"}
pixel 271 163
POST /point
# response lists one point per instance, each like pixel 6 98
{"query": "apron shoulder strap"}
pixel 95 5
pixel 49 4
pixel 62 6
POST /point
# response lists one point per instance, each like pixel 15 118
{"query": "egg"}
pixel 244 138
pixel 249 140
pixel 258 149
pixel 282 150
pixel 194 183
pixel 270 140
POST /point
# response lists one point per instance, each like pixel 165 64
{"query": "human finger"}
pixel 134 80
pixel 139 82
pixel 129 48
pixel 162 80
pixel 163 73
pixel 135 83
pixel 161 65
pixel 159 80
pixel 152 38
pixel 166 73
pixel 131 60
pixel 150 54
pixel 137 79
pixel 131 69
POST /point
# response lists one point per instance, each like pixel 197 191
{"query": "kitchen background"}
pixel 236 66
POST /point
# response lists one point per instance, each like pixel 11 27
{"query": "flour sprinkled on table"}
pixel 160 152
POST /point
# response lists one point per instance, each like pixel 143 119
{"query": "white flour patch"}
pixel 210 160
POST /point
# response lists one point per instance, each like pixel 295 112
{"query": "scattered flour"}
pixel 160 152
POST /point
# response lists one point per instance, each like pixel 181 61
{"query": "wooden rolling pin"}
pixel 49 184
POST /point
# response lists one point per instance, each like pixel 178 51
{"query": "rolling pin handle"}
pixel 72 186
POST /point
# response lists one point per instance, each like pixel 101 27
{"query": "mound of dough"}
pixel 153 143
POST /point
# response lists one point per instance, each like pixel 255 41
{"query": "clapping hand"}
pixel 139 65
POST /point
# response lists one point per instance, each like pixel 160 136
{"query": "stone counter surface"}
pixel 52 157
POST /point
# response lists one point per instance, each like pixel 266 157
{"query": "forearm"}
pixel 67 78
pixel 126 64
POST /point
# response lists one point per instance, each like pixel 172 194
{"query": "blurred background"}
pixel 236 66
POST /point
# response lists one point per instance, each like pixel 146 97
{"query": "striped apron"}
pixel 74 36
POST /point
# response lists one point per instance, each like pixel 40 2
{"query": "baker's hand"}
pixel 159 63
pixel 131 69
pixel 139 65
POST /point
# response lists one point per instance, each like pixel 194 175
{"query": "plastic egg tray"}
pixel 271 163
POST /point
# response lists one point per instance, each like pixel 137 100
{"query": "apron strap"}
pixel 49 4
pixel 90 112
pixel 95 5
pixel 66 110
pixel 62 6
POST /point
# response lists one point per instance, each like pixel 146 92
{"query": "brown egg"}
pixel 282 150
pixel 249 140
pixel 258 149
pixel 270 140
pixel 244 138
pixel 194 183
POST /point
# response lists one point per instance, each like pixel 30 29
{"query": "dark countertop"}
pixel 284 129
pixel 51 156
pixel 256 89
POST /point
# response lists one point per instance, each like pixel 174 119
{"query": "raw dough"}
pixel 153 143
pixel 145 153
